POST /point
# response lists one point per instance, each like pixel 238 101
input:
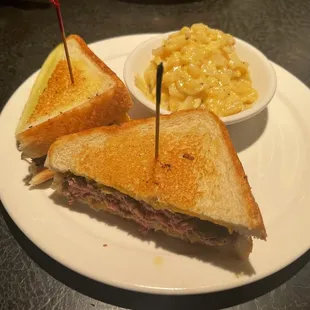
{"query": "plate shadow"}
pixel 246 133
pixel 138 110
pixel 162 241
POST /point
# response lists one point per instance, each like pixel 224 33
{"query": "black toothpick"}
pixel 159 78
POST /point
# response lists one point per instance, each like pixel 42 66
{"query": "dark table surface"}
pixel 28 31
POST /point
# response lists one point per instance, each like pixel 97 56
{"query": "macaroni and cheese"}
pixel 201 70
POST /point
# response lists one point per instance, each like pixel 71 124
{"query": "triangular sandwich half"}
pixel 197 189
pixel 57 107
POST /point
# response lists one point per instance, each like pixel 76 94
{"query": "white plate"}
pixel 278 167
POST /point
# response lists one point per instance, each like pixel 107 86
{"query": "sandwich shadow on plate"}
pixel 139 111
pixel 246 133
pixel 162 241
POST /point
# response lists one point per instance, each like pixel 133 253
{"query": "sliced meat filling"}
pixel 178 225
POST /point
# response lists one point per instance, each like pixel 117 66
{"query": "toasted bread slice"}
pixel 41 177
pixel 56 107
pixel 198 171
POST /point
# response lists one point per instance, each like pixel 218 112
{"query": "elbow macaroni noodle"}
pixel 201 70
